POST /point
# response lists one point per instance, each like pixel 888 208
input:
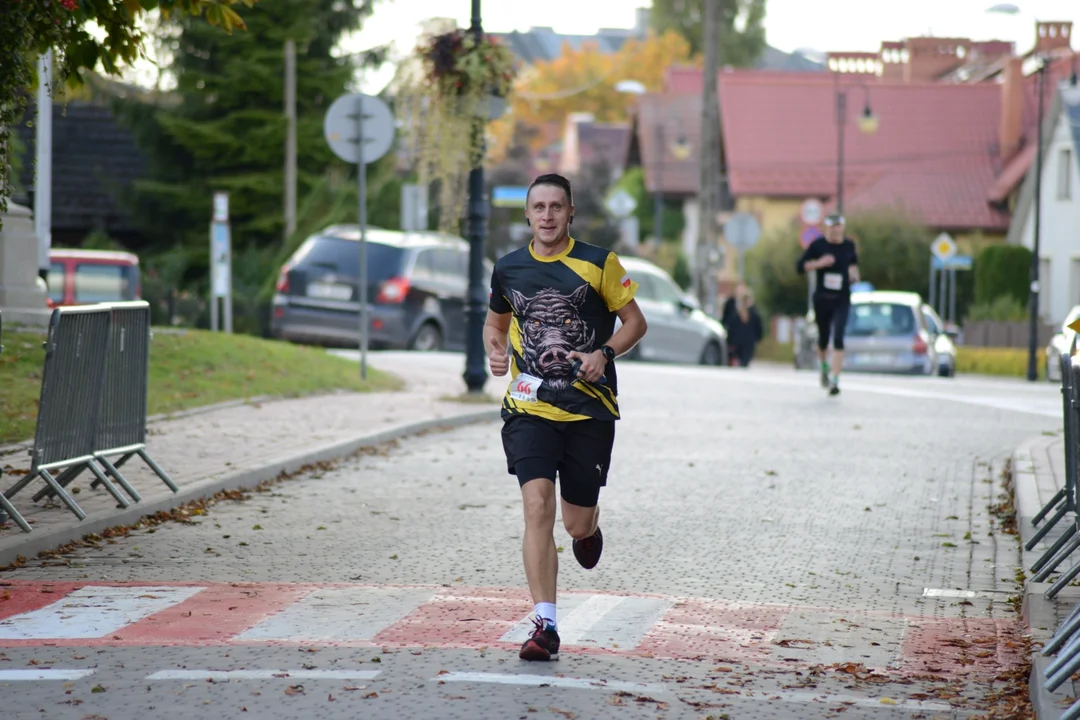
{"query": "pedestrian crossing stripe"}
pixel 348 615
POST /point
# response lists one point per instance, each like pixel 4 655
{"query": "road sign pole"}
pixel 932 296
pixel 942 297
pixel 952 295
pixel 362 280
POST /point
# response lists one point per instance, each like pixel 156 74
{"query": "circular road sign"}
pixel 811 211
pixel 742 231
pixel 340 127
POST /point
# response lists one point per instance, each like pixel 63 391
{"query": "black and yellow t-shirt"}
pixel 561 304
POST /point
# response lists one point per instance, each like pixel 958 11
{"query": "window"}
pixel 55 281
pixel 1074 282
pixel 880 319
pixel 932 325
pixel 424 267
pixel 646 290
pixel 1064 179
pixel 1044 287
pixel 342 257
pixel 103 283
pixel 666 291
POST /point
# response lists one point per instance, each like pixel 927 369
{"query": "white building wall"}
pixel 1059 233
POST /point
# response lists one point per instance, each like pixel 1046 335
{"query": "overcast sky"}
pixel 790 24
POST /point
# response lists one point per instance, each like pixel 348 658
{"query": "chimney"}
pixel 893 59
pixel 1012 108
pixel 929 57
pixel 1053 36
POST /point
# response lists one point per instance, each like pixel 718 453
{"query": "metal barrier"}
pixel 76 352
pixel 1065 642
pixel 6 508
pixel 1065 498
pixel 122 428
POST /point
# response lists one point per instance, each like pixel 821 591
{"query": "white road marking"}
pixel 601 621
pixel 218 675
pixel 93 612
pixel 32 674
pixel 340 614
pixel 950 593
pixel 578 683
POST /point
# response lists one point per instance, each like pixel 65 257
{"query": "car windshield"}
pixel 342 257
pixel 880 319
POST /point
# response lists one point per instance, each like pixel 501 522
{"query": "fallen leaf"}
pixel 98 689
pixel 330 698
pixel 294 690
pixel 370 695
pixel 888 701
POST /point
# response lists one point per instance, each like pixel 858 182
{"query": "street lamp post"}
pixel 658 198
pixel 1033 297
pixel 867 124
pixel 475 373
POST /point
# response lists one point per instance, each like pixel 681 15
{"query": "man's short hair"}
pixel 553 179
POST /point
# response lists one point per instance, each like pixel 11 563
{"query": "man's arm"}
pixel 496 342
pixel 625 338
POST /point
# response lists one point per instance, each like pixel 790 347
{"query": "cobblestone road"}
pixel 770 553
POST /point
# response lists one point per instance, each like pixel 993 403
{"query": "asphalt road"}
pixel 770 553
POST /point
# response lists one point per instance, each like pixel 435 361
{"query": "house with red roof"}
pixel 954 136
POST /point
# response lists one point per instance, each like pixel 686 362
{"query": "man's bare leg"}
pixel 538 546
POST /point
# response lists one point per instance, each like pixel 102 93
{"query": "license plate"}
pixel 873 359
pixel 329 291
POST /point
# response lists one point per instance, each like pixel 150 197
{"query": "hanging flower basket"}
pixel 461 85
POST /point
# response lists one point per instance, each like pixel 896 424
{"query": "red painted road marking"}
pixel 462 617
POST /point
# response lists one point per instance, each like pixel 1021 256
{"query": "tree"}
pixel 742 33
pixel 30 27
pixel 894 254
pixel 584 79
pixel 224 129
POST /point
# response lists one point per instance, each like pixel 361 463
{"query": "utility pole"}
pixel 1033 296
pixel 290 138
pixel 710 154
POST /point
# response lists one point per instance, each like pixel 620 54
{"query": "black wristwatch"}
pixel 609 353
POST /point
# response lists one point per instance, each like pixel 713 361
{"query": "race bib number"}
pixel 524 387
pixel 834 281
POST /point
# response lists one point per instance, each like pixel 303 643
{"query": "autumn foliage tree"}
pixel 584 79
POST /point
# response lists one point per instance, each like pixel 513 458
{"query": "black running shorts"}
pixel 579 451
pixel 831 317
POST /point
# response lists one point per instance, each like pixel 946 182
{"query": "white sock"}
pixel 546 611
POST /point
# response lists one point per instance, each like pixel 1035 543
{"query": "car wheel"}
pixel 427 339
pixel 713 354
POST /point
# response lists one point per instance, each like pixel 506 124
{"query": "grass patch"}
pixel 1002 362
pixel 189 369
pixel 772 351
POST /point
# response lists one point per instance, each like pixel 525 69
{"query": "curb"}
pixel 34 543
pixel 1039 612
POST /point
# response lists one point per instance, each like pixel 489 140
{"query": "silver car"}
pixel 679 331
pixel 1059 345
pixel 897 332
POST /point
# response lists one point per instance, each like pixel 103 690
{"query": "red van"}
pixel 84 277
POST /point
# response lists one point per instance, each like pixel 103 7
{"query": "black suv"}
pixel 417 285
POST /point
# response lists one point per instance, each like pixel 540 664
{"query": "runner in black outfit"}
pixel 836 263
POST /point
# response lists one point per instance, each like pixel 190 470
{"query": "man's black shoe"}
pixel 543 643
pixel 588 551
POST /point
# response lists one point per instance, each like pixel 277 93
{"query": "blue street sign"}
pixel 862 287
pixel 509 196
pixel 956 262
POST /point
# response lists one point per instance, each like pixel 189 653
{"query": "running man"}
pixel 557 299
pixel 836 264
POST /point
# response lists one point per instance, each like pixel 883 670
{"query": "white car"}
pixel 678 330
pixel 1059 345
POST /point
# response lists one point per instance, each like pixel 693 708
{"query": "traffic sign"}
pixel 943 247
pixel 809 234
pixel 956 262
pixel 621 204
pixel 1075 325
pixel 342 123
pixel 742 231
pixel 509 196
pixel 811 211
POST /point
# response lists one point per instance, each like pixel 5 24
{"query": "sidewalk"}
pixel 1038 473
pixel 242 444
